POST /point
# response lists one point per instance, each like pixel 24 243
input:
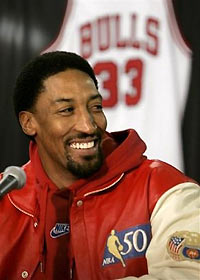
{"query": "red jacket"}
pixel 110 213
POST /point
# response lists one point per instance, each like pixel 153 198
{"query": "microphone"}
pixel 14 177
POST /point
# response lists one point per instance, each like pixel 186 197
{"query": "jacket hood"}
pixel 122 150
pixel 128 154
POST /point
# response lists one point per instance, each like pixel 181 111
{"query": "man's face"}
pixel 69 123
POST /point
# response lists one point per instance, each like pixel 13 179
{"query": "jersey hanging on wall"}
pixel 142 65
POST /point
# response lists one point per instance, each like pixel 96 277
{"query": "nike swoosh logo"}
pixel 59 229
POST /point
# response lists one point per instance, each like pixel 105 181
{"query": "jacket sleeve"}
pixel 174 251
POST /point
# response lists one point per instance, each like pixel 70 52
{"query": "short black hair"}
pixel 29 83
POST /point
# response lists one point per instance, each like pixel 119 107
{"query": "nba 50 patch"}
pixel 184 245
pixel 126 244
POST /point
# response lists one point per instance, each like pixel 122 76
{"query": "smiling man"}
pixel 93 207
pixel 67 123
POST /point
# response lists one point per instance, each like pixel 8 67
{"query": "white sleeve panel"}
pixel 178 210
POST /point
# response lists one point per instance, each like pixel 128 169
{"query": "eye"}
pixel 67 110
pixel 97 107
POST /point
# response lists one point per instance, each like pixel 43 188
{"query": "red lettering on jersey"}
pixel 86 40
pixel 103 27
pixel 135 42
pixel 108 75
pixel 135 70
pixel 152 27
pixel 109 79
pixel 120 43
pixel 106 33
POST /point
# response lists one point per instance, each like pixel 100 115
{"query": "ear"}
pixel 27 122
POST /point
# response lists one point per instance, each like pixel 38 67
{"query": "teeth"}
pixel 82 145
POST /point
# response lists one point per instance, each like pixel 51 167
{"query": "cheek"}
pixel 51 131
pixel 101 121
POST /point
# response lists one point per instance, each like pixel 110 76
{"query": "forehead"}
pixel 70 82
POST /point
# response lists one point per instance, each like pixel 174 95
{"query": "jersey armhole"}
pixel 175 28
pixel 53 45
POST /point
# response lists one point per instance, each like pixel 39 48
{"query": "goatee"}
pixel 91 165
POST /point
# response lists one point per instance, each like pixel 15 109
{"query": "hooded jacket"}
pixel 110 216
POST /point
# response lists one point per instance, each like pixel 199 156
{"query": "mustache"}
pixel 97 134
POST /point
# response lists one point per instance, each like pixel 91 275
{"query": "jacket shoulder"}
pixel 166 173
pixel 23 198
pixel 163 177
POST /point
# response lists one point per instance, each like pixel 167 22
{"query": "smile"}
pixel 82 146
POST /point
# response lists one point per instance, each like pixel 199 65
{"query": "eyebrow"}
pixel 96 97
pixel 68 100
pixel 63 100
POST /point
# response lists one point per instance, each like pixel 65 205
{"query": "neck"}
pixel 58 174
pixel 61 181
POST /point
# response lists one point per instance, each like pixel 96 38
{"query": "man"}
pixel 93 207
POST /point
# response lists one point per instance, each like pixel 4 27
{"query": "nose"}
pixel 85 123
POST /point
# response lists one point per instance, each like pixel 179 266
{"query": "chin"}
pixel 86 168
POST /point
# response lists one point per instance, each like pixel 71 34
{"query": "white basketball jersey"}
pixel 141 63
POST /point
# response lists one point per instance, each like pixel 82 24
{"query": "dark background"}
pixel 28 27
